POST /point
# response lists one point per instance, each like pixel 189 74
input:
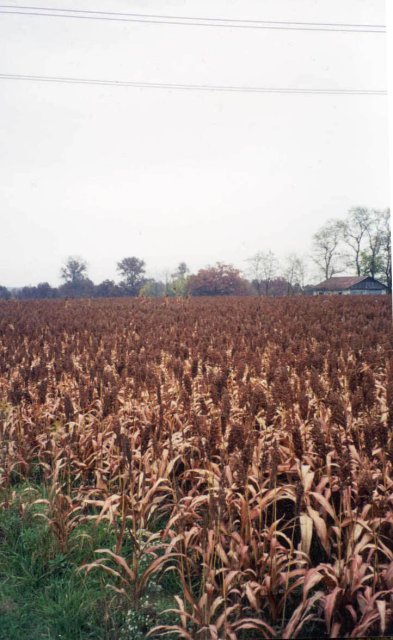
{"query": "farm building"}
pixel 350 285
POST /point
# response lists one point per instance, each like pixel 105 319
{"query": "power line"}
pixel 190 87
pixel 81 14
pixel 145 15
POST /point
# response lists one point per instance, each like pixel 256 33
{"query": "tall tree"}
pixel 326 248
pixel 178 285
pixel 371 256
pixel 295 271
pixel 387 249
pixel 76 283
pixel 181 271
pixel 263 269
pixel 132 270
pixel 255 271
pixel 74 270
pixel 376 257
pixel 354 230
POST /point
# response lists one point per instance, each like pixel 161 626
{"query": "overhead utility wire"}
pixel 81 14
pixel 148 15
pixel 189 87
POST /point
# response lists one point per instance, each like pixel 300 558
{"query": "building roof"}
pixel 339 283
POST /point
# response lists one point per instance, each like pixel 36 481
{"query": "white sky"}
pixel 108 172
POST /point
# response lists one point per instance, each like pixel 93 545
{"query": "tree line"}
pixel 359 244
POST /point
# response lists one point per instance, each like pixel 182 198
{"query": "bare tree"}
pixel 167 278
pixel 326 248
pixel 255 271
pixel 354 229
pixel 295 271
pixel 263 268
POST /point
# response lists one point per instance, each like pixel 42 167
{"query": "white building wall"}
pixel 353 292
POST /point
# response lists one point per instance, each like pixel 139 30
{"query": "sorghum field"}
pixel 229 460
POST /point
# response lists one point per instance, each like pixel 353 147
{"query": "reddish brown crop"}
pixel 257 431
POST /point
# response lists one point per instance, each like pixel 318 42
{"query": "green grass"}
pixel 42 593
pixel 43 596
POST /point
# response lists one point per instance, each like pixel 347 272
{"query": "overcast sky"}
pixel 166 175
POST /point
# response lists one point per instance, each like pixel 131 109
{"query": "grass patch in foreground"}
pixel 43 596
pixel 41 593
